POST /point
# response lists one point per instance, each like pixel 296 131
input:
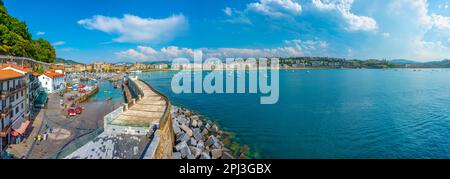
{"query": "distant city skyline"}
pixel 115 30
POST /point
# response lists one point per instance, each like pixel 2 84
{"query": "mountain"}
pixel 437 64
pixel 403 61
pixel 69 62
pixel 413 64
pixel 15 40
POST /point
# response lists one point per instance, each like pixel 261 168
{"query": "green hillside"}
pixel 15 40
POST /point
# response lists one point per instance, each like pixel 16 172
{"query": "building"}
pixel 52 81
pixel 79 68
pixel 33 86
pixel 12 107
pixel 162 66
pixel 90 67
pixel 101 67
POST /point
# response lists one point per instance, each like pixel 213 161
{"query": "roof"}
pixel 23 69
pixel 53 74
pixel 9 74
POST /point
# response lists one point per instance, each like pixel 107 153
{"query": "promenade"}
pixel 146 112
pixel 133 131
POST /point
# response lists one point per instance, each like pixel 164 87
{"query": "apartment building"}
pixel 12 107
pixel 52 81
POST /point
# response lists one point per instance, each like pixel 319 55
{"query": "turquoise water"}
pixel 335 114
pixel 107 91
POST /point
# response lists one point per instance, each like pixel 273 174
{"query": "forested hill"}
pixel 15 40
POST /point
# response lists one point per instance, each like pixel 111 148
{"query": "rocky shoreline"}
pixel 198 138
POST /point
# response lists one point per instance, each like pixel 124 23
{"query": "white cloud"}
pixel 431 50
pixel 308 45
pixel 441 22
pixel 343 8
pixel 228 11
pixel 144 53
pixel 386 34
pixel 40 33
pixel 292 48
pixel 59 43
pixel 135 29
pixel 276 8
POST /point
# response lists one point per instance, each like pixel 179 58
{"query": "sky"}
pixel 142 30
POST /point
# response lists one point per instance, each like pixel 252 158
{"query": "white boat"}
pixel 136 71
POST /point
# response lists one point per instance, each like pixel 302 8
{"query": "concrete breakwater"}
pixel 199 138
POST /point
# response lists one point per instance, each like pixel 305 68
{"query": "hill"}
pixel 70 62
pixel 403 61
pixel 15 40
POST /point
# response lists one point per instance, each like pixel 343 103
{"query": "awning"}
pixel 21 130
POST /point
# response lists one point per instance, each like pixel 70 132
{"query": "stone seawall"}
pixel 163 136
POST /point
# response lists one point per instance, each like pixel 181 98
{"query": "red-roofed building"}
pixel 13 88
pixel 52 81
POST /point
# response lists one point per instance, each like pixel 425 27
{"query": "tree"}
pixel 15 40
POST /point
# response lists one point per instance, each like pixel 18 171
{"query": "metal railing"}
pixel 7 57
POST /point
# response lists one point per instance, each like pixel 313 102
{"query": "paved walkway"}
pixel 145 112
pixel 21 150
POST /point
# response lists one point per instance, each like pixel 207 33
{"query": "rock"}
pixel 182 120
pixel 216 153
pixel 227 155
pixel 207 126
pixel 199 123
pixel 188 113
pixel 216 145
pixel 186 129
pixel 176 128
pixel 197 135
pixel 214 128
pixel 185 151
pixel 195 151
pixel 205 132
pixel 205 155
pixel 190 157
pixel 192 142
pixel 181 145
pixel 176 155
pixel 195 117
pixel 200 145
pixel 211 140
pixel 182 137
pixel 193 123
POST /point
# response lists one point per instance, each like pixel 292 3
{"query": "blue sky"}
pixel 142 30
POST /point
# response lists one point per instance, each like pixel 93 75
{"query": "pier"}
pixel 141 128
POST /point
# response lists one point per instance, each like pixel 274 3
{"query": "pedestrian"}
pixel 39 137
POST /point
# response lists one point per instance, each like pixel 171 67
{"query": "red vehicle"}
pixel 71 112
pixel 79 110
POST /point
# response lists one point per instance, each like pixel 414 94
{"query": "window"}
pixel 17 110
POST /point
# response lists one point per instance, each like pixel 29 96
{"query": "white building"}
pixel 52 81
pixel 12 107
pixel 33 86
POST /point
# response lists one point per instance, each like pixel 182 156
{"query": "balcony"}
pixel 4 94
pixel 5 112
